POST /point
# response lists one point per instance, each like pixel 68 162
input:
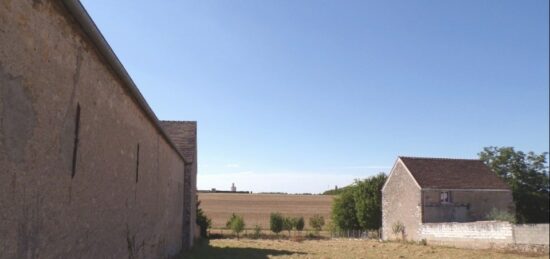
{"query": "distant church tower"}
pixel 233 187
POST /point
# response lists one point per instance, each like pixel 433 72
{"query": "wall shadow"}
pixel 204 250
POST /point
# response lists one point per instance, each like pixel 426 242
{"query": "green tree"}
pixel 230 220
pixel 288 224
pixel 300 224
pixel 317 222
pixel 527 176
pixel 368 201
pixel 359 206
pixel 344 215
pixel 276 223
pixel 202 220
pixel 236 224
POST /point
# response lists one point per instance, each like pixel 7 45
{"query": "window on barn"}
pixel 445 197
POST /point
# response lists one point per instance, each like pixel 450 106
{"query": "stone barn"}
pixel 430 190
pixel 86 168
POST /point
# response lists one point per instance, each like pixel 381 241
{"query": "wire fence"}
pixel 266 233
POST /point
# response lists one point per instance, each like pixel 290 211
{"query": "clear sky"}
pixel 299 96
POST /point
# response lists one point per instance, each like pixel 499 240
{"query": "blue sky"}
pixel 299 96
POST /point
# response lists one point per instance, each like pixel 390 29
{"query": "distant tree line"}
pixel 337 191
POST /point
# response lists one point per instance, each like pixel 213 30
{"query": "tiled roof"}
pixel 446 173
pixel 184 136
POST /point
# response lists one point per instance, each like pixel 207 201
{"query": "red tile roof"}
pixel 445 173
pixel 184 136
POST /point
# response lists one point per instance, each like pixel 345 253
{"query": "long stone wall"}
pixel 484 234
pixel 85 170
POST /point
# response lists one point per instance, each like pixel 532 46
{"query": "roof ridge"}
pixel 439 158
pixel 178 121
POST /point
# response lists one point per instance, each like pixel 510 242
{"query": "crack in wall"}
pixel 66 145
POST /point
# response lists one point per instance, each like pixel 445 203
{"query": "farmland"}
pixel 256 208
pixel 336 248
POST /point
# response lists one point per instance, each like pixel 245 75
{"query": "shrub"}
pixel 203 221
pixel 300 224
pixel 399 228
pixel 236 224
pixel 373 234
pixel 230 220
pixel 288 224
pixel 317 222
pixel 276 223
pixel 257 232
pixel 311 235
pixel 500 215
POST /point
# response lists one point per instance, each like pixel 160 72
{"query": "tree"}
pixel 288 224
pixel 202 220
pixel 317 222
pixel 527 176
pixel 344 215
pixel 276 223
pixel 300 224
pixel 230 220
pixel 337 191
pixel 368 201
pixel 236 224
pixel 359 206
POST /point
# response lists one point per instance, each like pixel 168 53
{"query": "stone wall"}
pixel 484 234
pixel 184 135
pixel 466 205
pixel 85 171
pixel 537 234
pixel 401 202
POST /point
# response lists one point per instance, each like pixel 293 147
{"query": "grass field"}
pixel 248 248
pixel 256 208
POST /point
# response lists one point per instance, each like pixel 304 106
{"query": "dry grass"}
pixel 247 248
pixel 256 208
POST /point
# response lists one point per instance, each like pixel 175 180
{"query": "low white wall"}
pixel 485 234
pixel 533 234
pixel 490 231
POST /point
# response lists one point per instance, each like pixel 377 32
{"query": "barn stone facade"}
pixel 86 168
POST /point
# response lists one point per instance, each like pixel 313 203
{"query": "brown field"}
pixel 335 248
pixel 256 208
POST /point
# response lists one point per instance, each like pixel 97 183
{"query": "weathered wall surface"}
pixel 97 197
pixel 401 202
pixel 477 233
pixel 466 205
pixel 537 234
pixel 485 234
